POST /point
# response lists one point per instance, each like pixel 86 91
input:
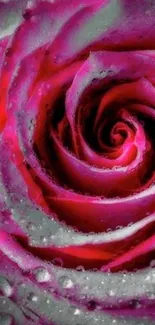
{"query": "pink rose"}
pixel 77 154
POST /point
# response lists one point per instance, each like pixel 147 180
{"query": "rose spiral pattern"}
pixel 77 149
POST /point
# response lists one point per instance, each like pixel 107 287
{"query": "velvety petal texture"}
pixel 77 172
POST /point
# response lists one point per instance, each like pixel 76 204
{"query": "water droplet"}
pixel 80 268
pixel 43 239
pixel 66 283
pixel 5 287
pixel 109 230
pixel 57 261
pixel 40 226
pixel 138 305
pixel 41 275
pixel 27 14
pixel 31 226
pixel 134 303
pixel 74 310
pixel 92 305
pixel 111 293
pixel 119 227
pixel 148 277
pixel 32 297
pixel 32 124
pixel 77 311
pixel 8 51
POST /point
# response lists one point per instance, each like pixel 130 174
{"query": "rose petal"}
pixel 105 67
pixel 139 251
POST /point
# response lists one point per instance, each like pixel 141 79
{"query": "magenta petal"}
pixel 103 181
pixel 106 25
pixel 104 67
pixel 97 213
pixel 141 249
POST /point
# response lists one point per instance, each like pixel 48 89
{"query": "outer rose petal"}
pixel 10 15
pixel 113 24
pixel 28 286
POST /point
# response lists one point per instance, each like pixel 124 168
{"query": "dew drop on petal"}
pixel 8 51
pixel 111 293
pixel 32 297
pixel 148 278
pixel 31 226
pixel 57 261
pixel 95 269
pixel 77 311
pixel 41 275
pixel 91 305
pixel 43 239
pixel 74 310
pixel 119 227
pixel 80 268
pixel 109 230
pixel 66 282
pixel 26 14
pixel 5 287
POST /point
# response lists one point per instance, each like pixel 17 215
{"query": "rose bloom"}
pixel 77 152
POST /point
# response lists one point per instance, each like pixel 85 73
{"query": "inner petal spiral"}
pixel 92 160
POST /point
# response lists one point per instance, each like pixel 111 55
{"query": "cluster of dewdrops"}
pixel 62 310
pixel 81 291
